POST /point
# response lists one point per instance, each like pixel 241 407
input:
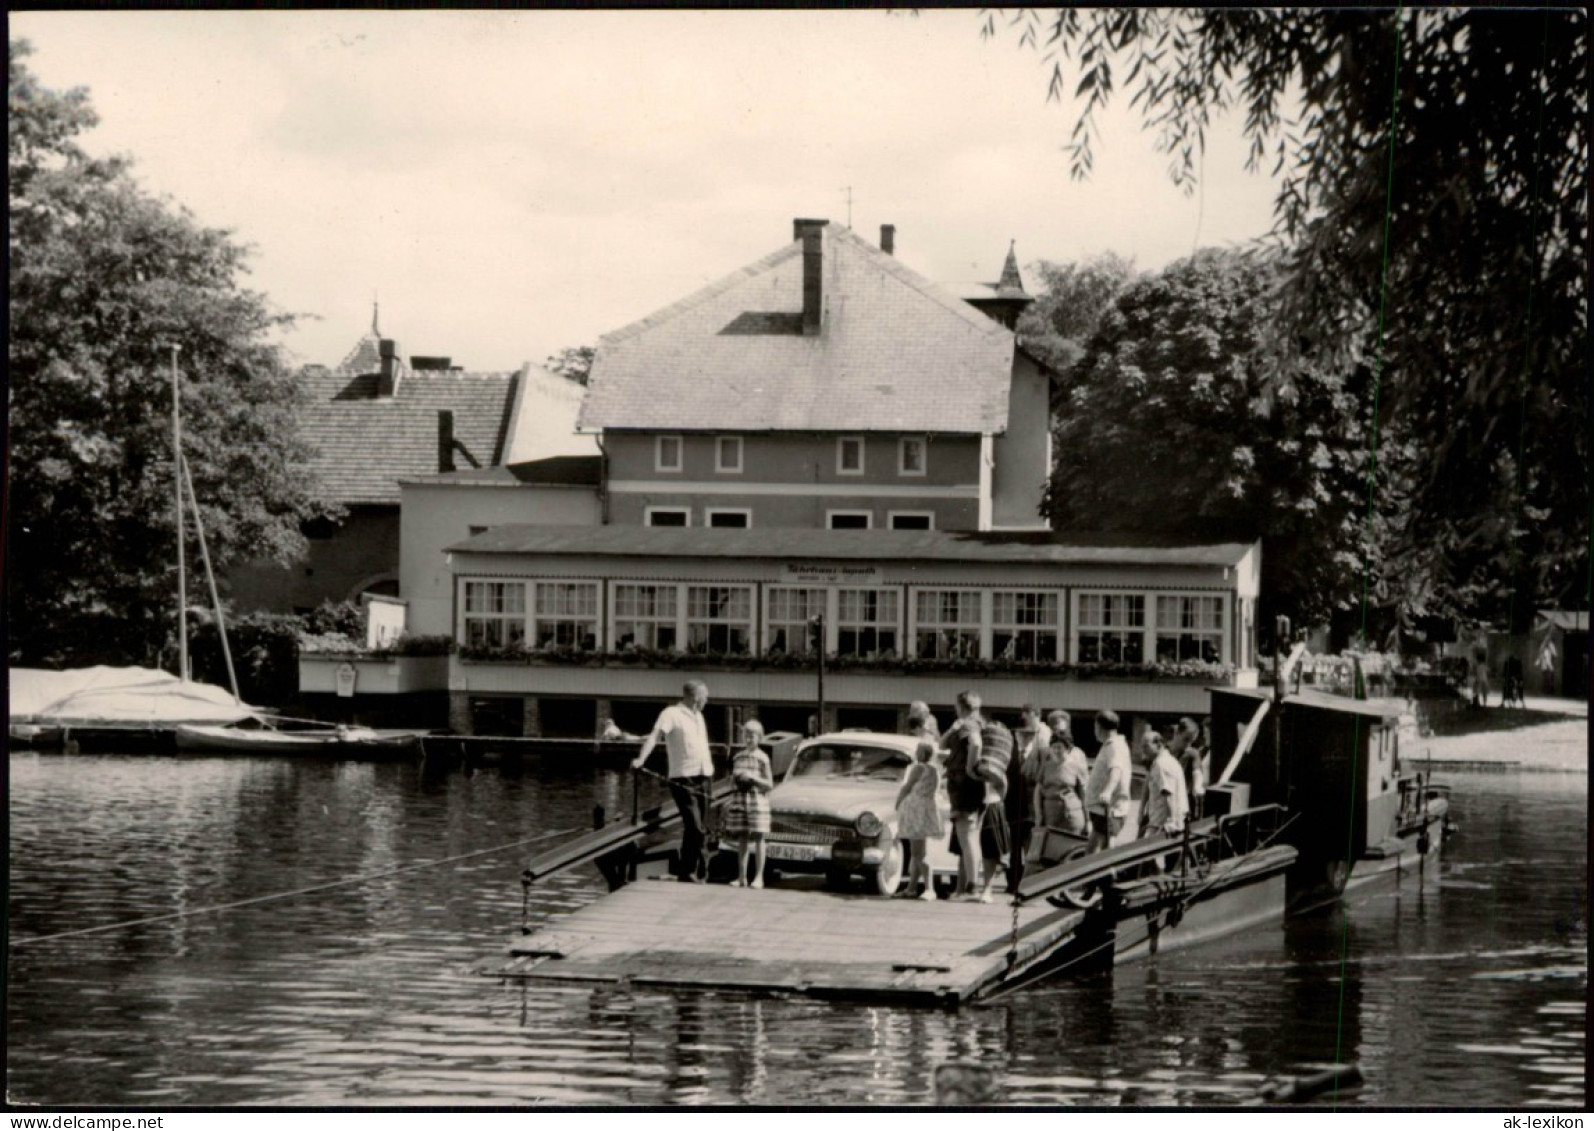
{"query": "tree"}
pixel 1434 208
pixel 1073 298
pixel 573 363
pixel 104 279
pixel 1173 429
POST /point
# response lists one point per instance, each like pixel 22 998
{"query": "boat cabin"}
pixel 1333 761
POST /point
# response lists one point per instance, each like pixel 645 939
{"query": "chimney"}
pixel 812 233
pixel 888 238
pixel 387 382
pixel 445 440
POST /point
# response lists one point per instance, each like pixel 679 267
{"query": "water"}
pixel 1469 993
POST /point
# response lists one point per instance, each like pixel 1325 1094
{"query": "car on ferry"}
pixel 833 813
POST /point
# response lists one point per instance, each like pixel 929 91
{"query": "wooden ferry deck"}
pixel 716 937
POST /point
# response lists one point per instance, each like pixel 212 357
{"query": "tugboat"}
pixel 1360 816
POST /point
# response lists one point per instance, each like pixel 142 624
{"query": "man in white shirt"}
pixel 1107 791
pixel 1167 803
pixel 680 727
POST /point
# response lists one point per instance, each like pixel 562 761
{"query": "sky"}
pixel 508 184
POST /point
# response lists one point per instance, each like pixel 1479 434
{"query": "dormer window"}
pixel 667 453
pixel 849 455
pixel 911 455
pixel 728 455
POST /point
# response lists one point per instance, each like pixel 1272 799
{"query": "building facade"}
pixel 377 419
pixel 823 451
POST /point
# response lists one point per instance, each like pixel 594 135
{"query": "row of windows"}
pixel 946 624
pixel 913 455
pixel 742 518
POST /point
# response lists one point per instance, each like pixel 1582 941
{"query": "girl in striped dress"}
pixel 747 813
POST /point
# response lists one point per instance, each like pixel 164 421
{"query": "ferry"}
pixel 1312 801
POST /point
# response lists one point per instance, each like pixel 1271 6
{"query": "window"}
pixel 946 624
pixel 644 617
pixel 790 610
pixel 728 454
pixel 866 622
pixel 1112 628
pixel 668 516
pixel 1190 628
pixel 719 618
pixel 567 614
pixel 849 455
pixel 849 520
pixel 475 530
pixel 912 455
pixel 495 614
pixel 731 517
pixel 667 453
pixel 912 520
pixel 1024 626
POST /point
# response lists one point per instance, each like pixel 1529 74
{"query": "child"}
pixel 919 816
pixel 747 813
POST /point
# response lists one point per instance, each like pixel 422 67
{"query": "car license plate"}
pixel 792 852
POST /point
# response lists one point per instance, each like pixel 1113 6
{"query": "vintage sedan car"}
pixel 833 813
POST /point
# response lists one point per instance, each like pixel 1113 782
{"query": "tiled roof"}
pixel 847 545
pixel 555 471
pixel 897 353
pixel 364 445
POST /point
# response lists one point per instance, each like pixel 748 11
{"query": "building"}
pixel 1553 653
pixel 375 420
pixel 824 437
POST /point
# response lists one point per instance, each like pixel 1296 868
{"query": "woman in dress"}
pixel 747 812
pixel 919 816
pixel 1060 784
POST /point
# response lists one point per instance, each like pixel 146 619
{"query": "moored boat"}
pixel 333 742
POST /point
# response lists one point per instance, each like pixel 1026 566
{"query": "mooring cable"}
pixel 16 942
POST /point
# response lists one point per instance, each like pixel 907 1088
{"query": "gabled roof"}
pixel 364 445
pixel 793 543
pixel 897 353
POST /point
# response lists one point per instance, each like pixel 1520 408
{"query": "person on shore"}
pixel 1107 791
pixel 680 727
pixel 1167 803
pixel 1060 779
pixel 1480 681
pixel 747 813
pixel 919 818
pixel 1512 682
pixel 964 789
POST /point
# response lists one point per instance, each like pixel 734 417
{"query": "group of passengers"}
pixel 998 795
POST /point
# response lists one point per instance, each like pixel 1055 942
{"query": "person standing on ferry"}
pixel 680 727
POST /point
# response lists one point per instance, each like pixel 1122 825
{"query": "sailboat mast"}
pixel 177 498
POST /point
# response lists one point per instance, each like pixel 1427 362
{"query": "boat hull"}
pixel 1409 856
pixel 321 744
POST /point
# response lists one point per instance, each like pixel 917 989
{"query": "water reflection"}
pixel 1460 991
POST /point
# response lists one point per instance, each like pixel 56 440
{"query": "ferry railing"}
pixel 1204 843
